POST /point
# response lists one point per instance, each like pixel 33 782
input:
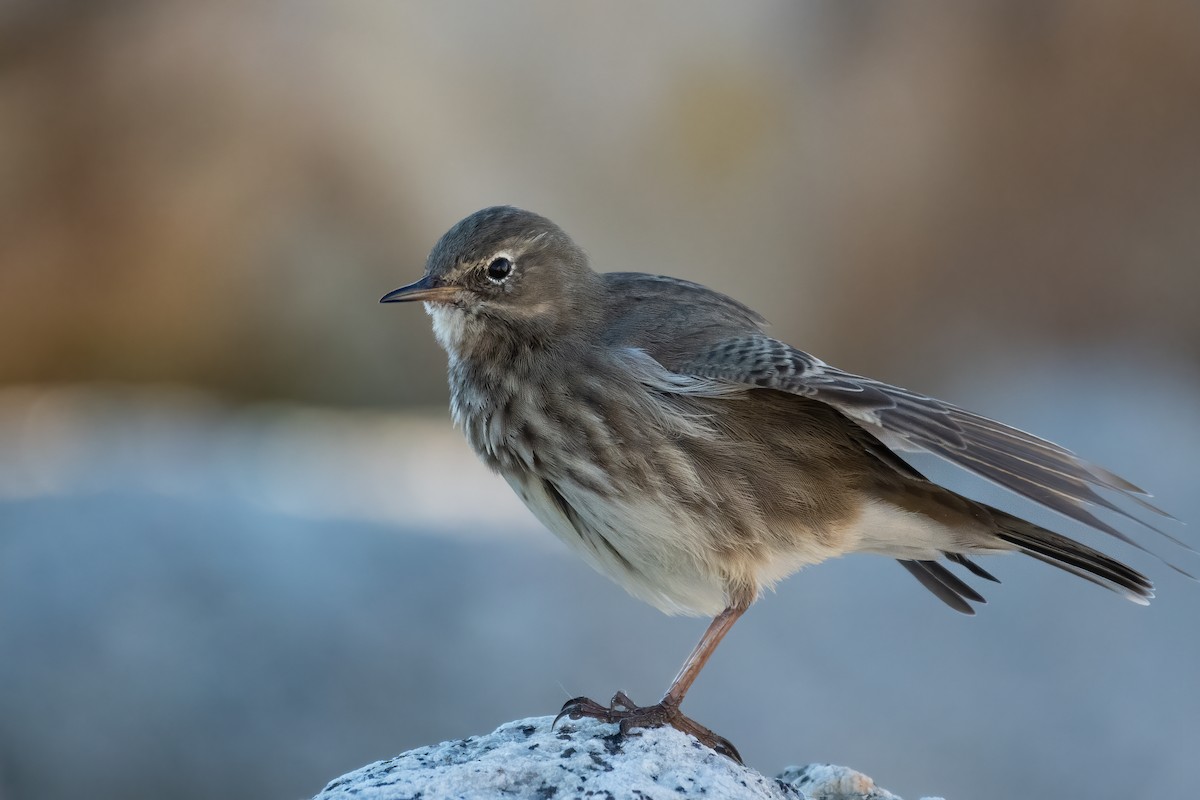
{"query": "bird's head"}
pixel 503 272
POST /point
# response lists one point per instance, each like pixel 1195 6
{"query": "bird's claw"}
pixel 580 707
pixel 628 716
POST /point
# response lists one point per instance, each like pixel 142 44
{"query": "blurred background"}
pixel 242 550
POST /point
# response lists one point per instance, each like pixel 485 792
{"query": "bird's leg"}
pixel 629 715
pixel 701 653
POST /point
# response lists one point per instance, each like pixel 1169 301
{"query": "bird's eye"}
pixel 499 269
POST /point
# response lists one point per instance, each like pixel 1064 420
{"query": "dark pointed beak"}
pixel 428 289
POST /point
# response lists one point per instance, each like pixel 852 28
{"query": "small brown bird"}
pixel 652 425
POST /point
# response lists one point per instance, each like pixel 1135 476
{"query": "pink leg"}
pixel 629 715
pixel 703 651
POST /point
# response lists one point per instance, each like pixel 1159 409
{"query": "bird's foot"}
pixel 628 715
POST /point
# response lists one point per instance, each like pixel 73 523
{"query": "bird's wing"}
pixel 1026 464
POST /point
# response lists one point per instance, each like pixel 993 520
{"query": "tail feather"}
pixel 944 584
pixel 975 569
pixel 1141 597
pixel 1075 558
pixel 1047 546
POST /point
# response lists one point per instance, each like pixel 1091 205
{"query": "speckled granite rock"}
pixel 587 759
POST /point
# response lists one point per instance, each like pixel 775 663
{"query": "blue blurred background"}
pixel 242 551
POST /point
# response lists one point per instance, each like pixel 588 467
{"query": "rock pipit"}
pixel 654 427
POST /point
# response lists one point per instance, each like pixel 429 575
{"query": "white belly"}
pixel 652 554
pixel 665 558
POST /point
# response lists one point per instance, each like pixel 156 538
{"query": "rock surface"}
pixel 526 759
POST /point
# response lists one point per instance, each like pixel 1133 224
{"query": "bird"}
pixel 654 426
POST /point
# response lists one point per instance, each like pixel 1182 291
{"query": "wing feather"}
pixel 1035 468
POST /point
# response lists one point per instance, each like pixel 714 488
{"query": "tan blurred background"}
pixel 201 203
pixel 213 193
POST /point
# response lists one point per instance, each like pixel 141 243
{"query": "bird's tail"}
pixel 1071 556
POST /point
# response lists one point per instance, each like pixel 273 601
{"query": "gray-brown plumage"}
pixel 655 427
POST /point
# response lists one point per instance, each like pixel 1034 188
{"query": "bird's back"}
pixel 670 318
